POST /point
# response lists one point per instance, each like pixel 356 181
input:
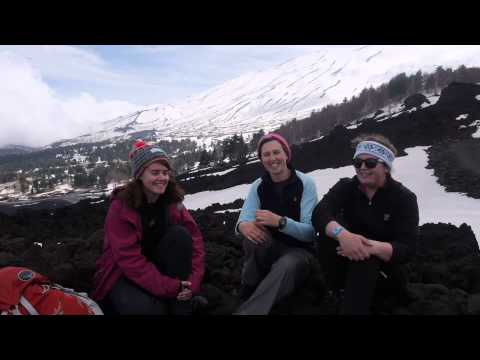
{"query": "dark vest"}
pixel 288 204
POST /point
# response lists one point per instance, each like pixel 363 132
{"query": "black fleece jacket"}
pixel 391 215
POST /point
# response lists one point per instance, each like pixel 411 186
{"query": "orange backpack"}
pixel 25 292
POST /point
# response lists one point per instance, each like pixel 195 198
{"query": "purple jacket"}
pixel 122 253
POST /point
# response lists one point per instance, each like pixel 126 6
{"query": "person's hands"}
pixel 256 233
pixel 185 292
pixel 354 246
pixel 267 218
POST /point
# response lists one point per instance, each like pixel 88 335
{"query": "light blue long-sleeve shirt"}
pixel 301 230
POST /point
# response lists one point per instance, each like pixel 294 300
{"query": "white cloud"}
pixel 32 113
pixel 61 62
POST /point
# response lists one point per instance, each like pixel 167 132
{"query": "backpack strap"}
pixel 26 304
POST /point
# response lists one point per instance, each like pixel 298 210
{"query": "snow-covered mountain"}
pixel 266 99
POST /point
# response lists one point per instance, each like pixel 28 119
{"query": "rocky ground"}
pixel 444 276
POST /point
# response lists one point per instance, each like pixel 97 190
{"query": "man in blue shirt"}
pixel 275 222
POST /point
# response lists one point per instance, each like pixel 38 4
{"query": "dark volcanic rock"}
pixel 437 299
pixel 456 164
pixel 444 276
pixel 415 101
pixel 473 306
pixel 15 245
pixel 8 259
pixel 459 95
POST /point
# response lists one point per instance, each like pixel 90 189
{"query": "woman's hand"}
pixel 354 246
pixel 381 249
pixel 185 292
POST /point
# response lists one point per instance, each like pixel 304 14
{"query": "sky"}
pixel 48 93
pixel 435 204
pixel 55 92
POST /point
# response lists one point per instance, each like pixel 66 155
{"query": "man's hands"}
pixel 267 218
pixel 254 232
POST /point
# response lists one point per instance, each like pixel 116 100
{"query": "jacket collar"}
pixel 293 176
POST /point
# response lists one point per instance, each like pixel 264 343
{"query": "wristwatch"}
pixel 337 231
pixel 282 223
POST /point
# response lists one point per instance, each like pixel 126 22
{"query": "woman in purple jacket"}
pixel 153 258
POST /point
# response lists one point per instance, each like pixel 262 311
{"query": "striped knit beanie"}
pixel 144 154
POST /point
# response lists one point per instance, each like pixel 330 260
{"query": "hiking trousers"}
pixel 276 270
pixel 360 280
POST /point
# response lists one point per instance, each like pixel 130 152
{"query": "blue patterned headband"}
pixel 376 149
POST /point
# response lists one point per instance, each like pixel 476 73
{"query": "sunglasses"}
pixel 369 163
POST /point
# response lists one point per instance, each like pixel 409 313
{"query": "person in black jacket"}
pixel 367 226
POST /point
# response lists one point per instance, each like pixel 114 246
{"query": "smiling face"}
pixel 372 178
pixel 274 159
pixel 155 179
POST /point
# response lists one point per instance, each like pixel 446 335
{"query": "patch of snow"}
pixel 474 123
pixel 228 210
pixel 203 199
pixel 476 134
pixel 319 138
pixel 112 185
pixel 97 202
pixel 205 168
pixel 222 172
pixel 26 204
